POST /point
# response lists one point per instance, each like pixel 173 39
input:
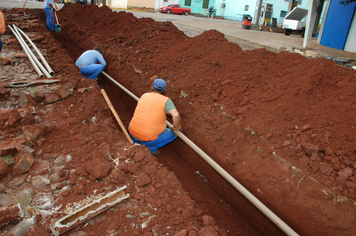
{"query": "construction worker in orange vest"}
pixel 148 125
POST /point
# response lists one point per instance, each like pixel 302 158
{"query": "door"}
pixel 175 8
pixel 337 24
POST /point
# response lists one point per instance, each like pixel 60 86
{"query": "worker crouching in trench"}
pixel 148 125
pixel 91 63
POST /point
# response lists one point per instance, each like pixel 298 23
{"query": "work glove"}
pixel 54 9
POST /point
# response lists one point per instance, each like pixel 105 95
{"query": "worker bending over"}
pixel 148 125
pixel 87 63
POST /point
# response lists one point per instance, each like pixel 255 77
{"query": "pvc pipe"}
pixel 39 72
pixel 51 72
pixel 33 55
pixel 267 212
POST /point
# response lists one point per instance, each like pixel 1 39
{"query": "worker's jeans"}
pixel 50 18
pixel 164 138
pixel 1 45
pixel 92 71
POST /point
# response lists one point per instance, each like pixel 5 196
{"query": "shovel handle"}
pixel 107 99
pixel 56 17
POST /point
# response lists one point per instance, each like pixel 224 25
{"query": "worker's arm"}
pixel 101 60
pixel 176 119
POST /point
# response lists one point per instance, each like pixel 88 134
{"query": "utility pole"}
pixel 256 17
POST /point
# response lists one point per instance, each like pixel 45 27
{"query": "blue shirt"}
pixel 90 57
pixel 47 2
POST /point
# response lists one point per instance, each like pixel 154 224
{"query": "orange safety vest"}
pixel 149 119
pixel 2 23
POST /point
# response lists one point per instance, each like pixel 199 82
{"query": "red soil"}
pixel 281 124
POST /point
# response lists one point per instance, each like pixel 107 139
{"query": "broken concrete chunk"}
pixel 39 96
pixel 26 99
pixel 52 98
pixel 10 213
pixel 65 90
pixel 40 181
pixel 28 119
pixel 8 117
pixel 11 147
pixel 5 199
pixel 4 168
pixel 32 133
pixel 23 163
pixel 4 93
pixel 22 227
pixel 25 149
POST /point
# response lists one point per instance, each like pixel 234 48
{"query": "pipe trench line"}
pixel 257 203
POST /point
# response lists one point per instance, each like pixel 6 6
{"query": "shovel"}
pixel 57 27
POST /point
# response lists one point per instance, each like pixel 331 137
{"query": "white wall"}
pixel 119 4
pixel 235 9
pixel 350 44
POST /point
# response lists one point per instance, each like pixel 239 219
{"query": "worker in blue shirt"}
pixel 88 63
pixel 49 8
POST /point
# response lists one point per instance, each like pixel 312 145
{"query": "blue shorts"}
pixel 164 138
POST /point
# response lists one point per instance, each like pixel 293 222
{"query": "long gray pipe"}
pixel 45 72
pixel 50 71
pixel 39 72
pixel 267 212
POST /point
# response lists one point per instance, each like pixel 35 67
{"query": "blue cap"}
pixel 160 84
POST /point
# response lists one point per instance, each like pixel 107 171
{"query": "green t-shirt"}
pixel 169 106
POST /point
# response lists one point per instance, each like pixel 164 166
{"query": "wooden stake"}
pixel 116 115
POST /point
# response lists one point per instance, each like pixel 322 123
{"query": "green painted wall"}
pixel 197 5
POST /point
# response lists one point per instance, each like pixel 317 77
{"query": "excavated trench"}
pixel 216 197
pixel 213 194
pixel 256 113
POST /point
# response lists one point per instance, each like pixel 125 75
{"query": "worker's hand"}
pixel 177 128
pixel 54 9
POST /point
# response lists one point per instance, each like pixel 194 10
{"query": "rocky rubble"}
pixel 54 161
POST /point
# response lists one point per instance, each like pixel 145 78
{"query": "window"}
pixel 188 3
pixel 175 6
pixel 246 7
pixel 165 0
pixel 205 4
pixel 283 14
